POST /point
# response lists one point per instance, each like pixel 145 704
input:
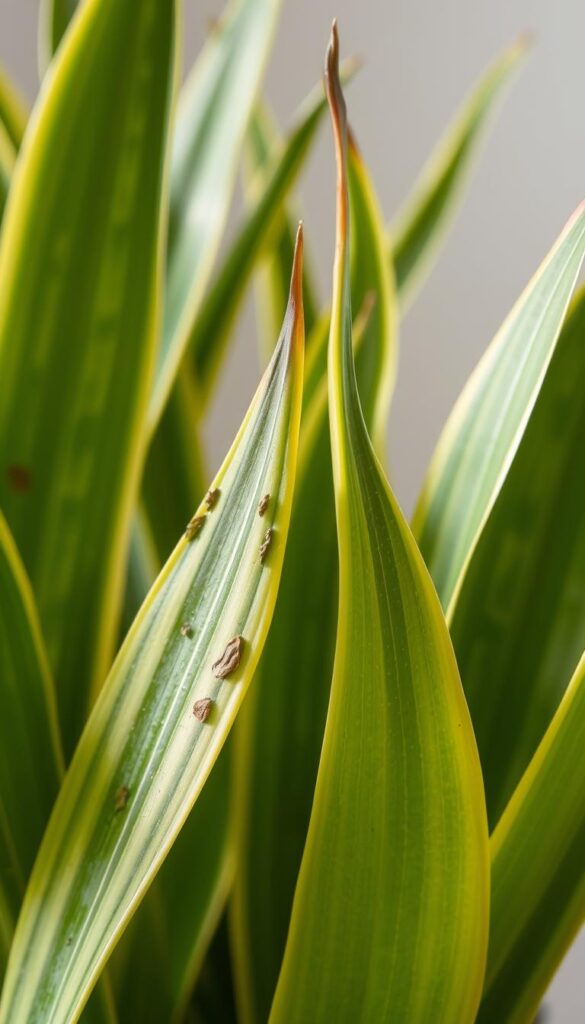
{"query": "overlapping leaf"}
pixel 420 226
pixel 54 19
pixel 489 419
pixel 78 326
pixel 165 710
pixel 538 882
pixel 391 907
pixel 518 625
pixel 13 115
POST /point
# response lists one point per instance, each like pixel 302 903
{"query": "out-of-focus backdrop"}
pixel 421 58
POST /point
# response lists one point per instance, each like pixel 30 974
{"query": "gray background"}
pixel 421 58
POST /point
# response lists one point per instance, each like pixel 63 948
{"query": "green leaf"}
pixel 79 271
pixel 7 162
pixel 13 113
pixel 215 107
pixel 31 762
pixel 421 225
pixel 54 18
pixel 538 883
pixel 262 142
pixel 150 743
pixel 488 421
pixel 390 913
pixel 218 311
pixel 518 625
pixel 283 725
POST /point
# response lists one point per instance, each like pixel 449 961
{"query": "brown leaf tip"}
pixel 203 708
pixel 230 659
pixel 296 280
pixel 263 506
pixel 332 82
pixel 212 498
pixel 194 526
pixel 121 798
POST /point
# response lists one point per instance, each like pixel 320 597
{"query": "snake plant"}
pixel 267 751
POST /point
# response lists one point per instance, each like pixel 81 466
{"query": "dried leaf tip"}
pixel 203 708
pixel 332 82
pixel 296 281
pixel 230 659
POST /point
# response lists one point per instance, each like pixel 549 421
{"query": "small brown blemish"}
pixel 264 503
pixel 203 708
pixel 212 498
pixel 194 526
pixel 266 543
pixel 19 478
pixel 121 798
pixel 230 659
pixel 187 630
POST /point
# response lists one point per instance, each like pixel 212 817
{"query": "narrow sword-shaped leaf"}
pixel 219 309
pixel 31 761
pixel 484 430
pixel 262 141
pixel 79 273
pixel 54 18
pixel 7 162
pixel 538 881
pixel 518 625
pixel 390 914
pixel 165 710
pixel 417 233
pixel 283 725
pixel 13 113
pixel 213 114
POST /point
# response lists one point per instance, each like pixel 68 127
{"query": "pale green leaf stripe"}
pixel 489 419
pixel 538 882
pixel 219 309
pixel 518 625
pixel 31 762
pixel 390 914
pixel 416 235
pixel 271 279
pixel 211 122
pixel 13 114
pixel 95 862
pixel 283 726
pixel 79 272
pixel 54 18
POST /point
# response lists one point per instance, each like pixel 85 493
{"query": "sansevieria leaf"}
pixel 54 18
pixel 390 914
pixel 13 114
pixel 489 419
pixel 538 880
pixel 79 273
pixel 31 762
pixel 165 709
pixel 419 228
pixel 215 106
pixel 518 625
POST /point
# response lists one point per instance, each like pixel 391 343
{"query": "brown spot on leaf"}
pixel 264 503
pixel 230 659
pixel 187 630
pixel 266 543
pixel 19 478
pixel 121 798
pixel 203 708
pixel 212 498
pixel 194 526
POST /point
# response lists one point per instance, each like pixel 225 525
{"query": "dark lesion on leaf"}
pixel 194 526
pixel 19 478
pixel 266 544
pixel 212 498
pixel 187 630
pixel 263 506
pixel 203 708
pixel 230 659
pixel 121 798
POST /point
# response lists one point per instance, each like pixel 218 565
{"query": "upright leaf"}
pixel 213 114
pixel 538 881
pixel 518 625
pixel 54 18
pixel 283 725
pixel 13 114
pixel 420 227
pixel 489 419
pixel 390 914
pixel 165 710
pixel 79 273
pixel 31 761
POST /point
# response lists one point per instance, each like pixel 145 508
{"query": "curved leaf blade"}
pixel 214 110
pixel 31 760
pixel 487 423
pixel 518 626
pixel 538 852
pixel 80 321
pixel 390 913
pixel 54 19
pixel 421 225
pixel 152 738
pixel 13 113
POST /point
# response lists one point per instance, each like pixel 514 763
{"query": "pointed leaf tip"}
pixel 332 82
pixel 296 280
